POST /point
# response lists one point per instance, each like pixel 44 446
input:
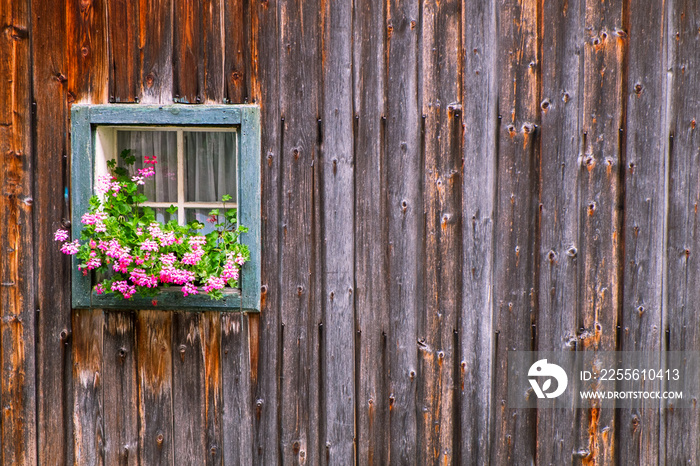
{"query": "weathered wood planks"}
pixel 682 429
pixel 337 209
pixel 558 261
pixel 405 226
pixel 17 235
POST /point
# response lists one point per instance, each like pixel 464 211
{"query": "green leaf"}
pixel 214 212
pixel 226 198
pixel 171 210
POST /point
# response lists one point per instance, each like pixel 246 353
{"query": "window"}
pixel 203 152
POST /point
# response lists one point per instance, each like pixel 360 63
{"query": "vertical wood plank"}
pixel 442 146
pixel 645 209
pixel 124 79
pixel 188 52
pixel 600 189
pixel 338 208
pixel 237 57
pixel 212 406
pixel 156 46
pixel 371 264
pixel 17 285
pixel 514 282
pixel 683 239
pixel 266 370
pixel 476 326
pixel 405 217
pixel 155 369
pixel 51 211
pixel 189 430
pixel 88 404
pixel 87 51
pixel 237 418
pixel 559 265
pixel 298 63
pixel 120 391
pixel 213 58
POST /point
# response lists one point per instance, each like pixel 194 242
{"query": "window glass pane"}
pixel 163 144
pixel 210 160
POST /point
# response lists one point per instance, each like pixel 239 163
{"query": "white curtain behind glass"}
pixel 210 161
pixel 163 144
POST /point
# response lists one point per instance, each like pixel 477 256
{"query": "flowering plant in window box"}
pixel 131 252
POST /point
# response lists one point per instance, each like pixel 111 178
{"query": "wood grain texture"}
pixel 119 388
pixel 88 401
pixel 600 227
pixel 299 37
pixel 266 369
pixel 371 233
pixel 442 146
pixel 645 203
pixel 17 286
pixel 188 51
pixel 237 383
pixel 51 211
pixel 87 51
pixel 237 57
pixel 683 241
pixel 124 79
pixel 559 264
pixel 405 226
pixel 517 215
pixel 212 406
pixel 337 205
pixel 154 365
pixel 156 46
pixel 477 335
pixel 189 430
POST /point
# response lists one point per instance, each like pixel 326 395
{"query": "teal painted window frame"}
pixel 84 122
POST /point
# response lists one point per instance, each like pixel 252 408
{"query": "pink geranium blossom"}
pixel 60 235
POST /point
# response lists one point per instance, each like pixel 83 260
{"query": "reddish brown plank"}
pixel 17 286
pixel 124 79
pixel 88 400
pixel 156 46
pixel 119 386
pixel 188 51
pixel 51 211
pixel 154 365
pixel 87 51
pixel 238 35
pixel 442 149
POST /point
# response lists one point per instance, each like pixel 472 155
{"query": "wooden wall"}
pixel 443 182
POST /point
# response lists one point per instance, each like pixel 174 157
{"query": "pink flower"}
pixel 92 244
pixel 214 283
pixel 230 271
pixel 60 235
pixel 196 242
pixel 140 278
pixel 138 179
pixel 192 258
pixel 212 219
pixel 166 239
pixel 99 289
pixel 146 172
pixel 149 245
pixel 104 184
pixel 171 274
pixel 240 260
pixel 188 289
pixel 70 248
pixel 124 288
pixel 150 160
pixel 168 259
